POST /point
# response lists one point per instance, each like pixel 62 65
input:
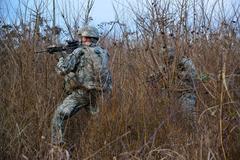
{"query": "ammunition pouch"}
pixel 71 82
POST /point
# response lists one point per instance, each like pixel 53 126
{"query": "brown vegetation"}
pixel 140 120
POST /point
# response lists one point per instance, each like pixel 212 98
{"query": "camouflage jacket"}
pixel 185 72
pixel 86 68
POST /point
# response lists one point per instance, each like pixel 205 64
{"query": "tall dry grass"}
pixel 141 120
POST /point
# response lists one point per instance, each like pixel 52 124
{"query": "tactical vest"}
pixel 91 72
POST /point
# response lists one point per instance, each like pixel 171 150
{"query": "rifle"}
pixel 71 46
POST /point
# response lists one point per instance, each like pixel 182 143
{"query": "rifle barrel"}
pixel 41 51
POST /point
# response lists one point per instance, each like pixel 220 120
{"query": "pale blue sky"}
pixel 102 11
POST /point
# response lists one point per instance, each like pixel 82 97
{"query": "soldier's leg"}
pixel 71 105
pixel 93 107
pixel 188 104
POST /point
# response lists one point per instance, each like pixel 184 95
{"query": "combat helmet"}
pixel 89 31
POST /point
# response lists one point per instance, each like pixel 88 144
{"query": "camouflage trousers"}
pixel 75 101
pixel 188 104
pixel 188 101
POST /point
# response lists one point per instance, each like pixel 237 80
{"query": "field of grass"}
pixel 141 120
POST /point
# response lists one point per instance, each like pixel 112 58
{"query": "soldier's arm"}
pixel 68 64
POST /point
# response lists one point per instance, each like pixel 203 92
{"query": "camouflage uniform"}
pixel 234 85
pixel 187 74
pixel 86 77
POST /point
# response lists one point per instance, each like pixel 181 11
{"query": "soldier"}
pixel 87 76
pixel 186 75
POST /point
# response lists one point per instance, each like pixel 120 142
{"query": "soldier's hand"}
pixel 61 60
